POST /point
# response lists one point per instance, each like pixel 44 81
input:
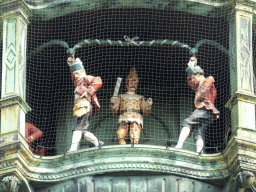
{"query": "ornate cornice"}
pixel 242 6
pixel 109 159
pixel 241 153
pixel 15 7
pixel 14 100
pixel 241 95
pixel 60 8
pixel 199 167
pixel 51 3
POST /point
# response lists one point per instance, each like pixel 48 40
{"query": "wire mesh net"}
pixel 161 67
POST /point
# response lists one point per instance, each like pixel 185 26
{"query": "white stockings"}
pixel 77 135
pixel 90 137
pixel 199 145
pixel 75 140
pixel 183 136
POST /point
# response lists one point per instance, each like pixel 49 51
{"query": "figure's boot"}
pixel 199 145
pixel 120 134
pixel 75 140
pixel 183 136
pixel 90 137
pixel 121 141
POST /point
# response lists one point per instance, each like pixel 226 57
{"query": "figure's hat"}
pixel 132 74
pixel 192 70
pixel 76 66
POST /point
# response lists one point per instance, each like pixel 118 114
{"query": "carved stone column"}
pixel 242 142
pixel 242 102
pixel 13 105
pixel 10 184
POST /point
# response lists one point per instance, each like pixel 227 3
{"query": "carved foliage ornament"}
pixel 10 184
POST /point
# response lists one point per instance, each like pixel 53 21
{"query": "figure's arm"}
pixel 191 64
pixel 94 85
pixel 70 61
pixel 114 104
pixel 34 132
pixel 146 106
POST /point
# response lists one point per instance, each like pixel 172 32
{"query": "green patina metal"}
pixel 60 8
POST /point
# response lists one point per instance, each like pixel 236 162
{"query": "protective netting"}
pixel 161 68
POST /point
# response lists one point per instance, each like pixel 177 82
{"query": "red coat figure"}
pixel 205 94
pixel 205 113
pixel 32 133
pixel 85 102
pixel 87 84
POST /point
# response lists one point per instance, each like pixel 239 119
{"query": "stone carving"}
pixel 136 166
pixel 10 184
pixel 14 16
pixel 245 54
pixel 10 46
pixel 22 61
pixel 245 179
pixel 232 51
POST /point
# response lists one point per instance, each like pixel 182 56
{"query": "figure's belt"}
pixel 79 99
pixel 130 110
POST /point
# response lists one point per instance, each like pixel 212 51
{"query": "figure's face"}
pixel 79 74
pixel 196 78
pixel 131 85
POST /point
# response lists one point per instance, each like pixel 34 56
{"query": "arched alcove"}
pixel 161 70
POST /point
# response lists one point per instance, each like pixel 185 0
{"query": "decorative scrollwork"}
pixel 10 184
pixel 129 42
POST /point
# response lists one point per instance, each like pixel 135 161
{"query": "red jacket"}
pixel 205 94
pixel 90 85
pixel 32 131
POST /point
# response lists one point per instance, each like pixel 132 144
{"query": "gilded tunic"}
pixel 130 106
